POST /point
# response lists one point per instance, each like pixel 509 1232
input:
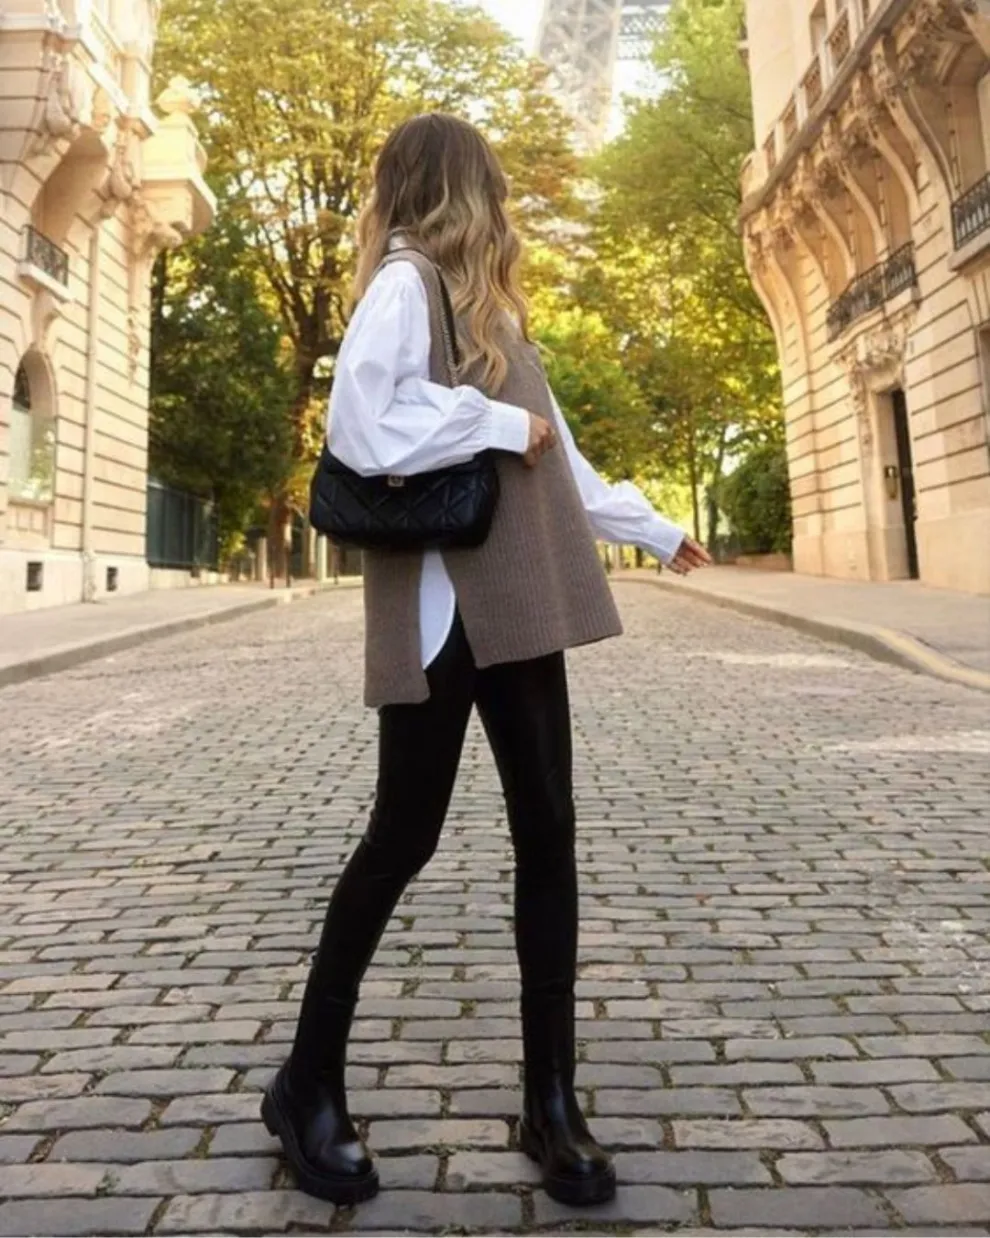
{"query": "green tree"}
pixel 756 499
pixel 220 387
pixel 584 360
pixel 670 266
pixel 299 94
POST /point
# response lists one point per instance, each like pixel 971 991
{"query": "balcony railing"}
pixel 832 54
pixel 866 293
pixel 840 40
pixel 971 213
pixel 872 289
pixel 813 84
pixel 46 256
pixel 790 121
pixel 899 273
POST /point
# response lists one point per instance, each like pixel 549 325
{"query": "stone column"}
pixel 261 558
pixel 308 551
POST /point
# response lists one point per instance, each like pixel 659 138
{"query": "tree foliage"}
pixel 669 255
pixel 583 355
pixel 220 387
pixel 654 341
pixel 756 499
pixel 299 95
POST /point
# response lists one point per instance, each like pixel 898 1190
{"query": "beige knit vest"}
pixel 535 587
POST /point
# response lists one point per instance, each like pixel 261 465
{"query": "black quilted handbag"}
pixel 440 510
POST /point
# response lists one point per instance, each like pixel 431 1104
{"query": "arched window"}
pixel 31 475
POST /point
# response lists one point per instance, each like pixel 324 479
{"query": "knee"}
pixel 542 818
pixel 414 857
pixel 402 853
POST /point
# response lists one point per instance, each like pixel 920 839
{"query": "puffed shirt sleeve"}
pixel 385 415
pixel 619 513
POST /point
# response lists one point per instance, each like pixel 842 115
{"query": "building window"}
pixel 31 475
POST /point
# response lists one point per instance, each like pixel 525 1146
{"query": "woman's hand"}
pixel 689 556
pixel 542 437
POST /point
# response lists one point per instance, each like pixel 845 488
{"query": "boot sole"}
pixel 576 1192
pixel 334 1190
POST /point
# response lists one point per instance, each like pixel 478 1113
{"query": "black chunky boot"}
pixel 306 1107
pixel 553 1132
pixel 306 1104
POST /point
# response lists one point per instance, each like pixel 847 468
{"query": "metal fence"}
pixel 971 213
pixel 183 530
pixel 870 290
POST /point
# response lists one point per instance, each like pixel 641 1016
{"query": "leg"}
pixel 419 751
pixel 525 710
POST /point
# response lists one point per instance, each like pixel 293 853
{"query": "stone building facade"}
pixel 866 220
pixel 93 182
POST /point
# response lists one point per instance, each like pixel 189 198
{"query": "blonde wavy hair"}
pixel 439 184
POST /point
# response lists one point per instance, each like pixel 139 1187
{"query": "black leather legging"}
pixel 525 712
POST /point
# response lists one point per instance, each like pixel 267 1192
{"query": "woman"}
pixel 481 628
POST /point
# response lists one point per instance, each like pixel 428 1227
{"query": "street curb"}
pixel 882 644
pixel 68 656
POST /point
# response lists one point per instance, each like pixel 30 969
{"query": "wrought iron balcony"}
pixel 971 213
pixel 899 272
pixel 866 293
pixel 872 289
pixel 46 256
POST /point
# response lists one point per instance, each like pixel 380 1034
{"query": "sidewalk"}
pixel 933 631
pixel 40 642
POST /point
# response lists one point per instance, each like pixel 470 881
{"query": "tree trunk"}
pixel 280 512
pixel 159 290
pixel 693 479
pixel 712 493
pixel 279 539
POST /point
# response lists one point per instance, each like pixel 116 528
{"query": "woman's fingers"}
pixel 690 556
pixel 541 439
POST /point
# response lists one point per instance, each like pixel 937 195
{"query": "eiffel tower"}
pixel 581 41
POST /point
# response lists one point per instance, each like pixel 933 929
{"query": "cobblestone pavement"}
pixel 785 992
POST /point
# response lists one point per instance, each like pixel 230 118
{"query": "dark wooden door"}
pixel 905 467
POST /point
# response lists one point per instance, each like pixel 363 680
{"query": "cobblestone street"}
pixel 785 993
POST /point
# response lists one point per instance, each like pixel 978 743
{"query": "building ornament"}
pixel 856 378
pixel 928 25
pixel 867 114
pixel 857 139
pixel 122 178
pixel 804 180
pixel 831 159
pixel 801 193
pixel 63 95
pixel 883 349
pixel 887 83
pixel 755 234
pixel 873 358
pixel 134 341
pixel 151 234
pixel 781 220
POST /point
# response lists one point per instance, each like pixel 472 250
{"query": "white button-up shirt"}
pixel 387 417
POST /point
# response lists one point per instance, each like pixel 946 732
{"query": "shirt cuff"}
pixel 510 428
pixel 664 539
